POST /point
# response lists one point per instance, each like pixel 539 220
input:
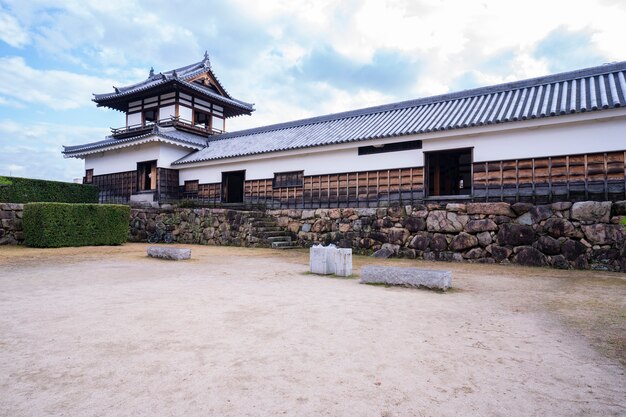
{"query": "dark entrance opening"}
pixel 146 175
pixel 449 172
pixel 232 186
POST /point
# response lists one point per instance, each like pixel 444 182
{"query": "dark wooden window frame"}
pixel 390 147
pixel 427 170
pixel 88 176
pixel 288 179
pixel 153 111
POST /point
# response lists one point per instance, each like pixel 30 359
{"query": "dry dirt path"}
pixel 246 332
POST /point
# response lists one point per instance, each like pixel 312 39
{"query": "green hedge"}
pixel 53 225
pixel 26 190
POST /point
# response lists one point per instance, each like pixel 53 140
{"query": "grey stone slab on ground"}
pixel 408 277
pixel 163 252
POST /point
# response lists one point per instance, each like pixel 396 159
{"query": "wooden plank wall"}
pixel 116 188
pixel 598 176
pixel 167 184
pixel 351 189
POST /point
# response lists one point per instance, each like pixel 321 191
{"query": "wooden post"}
pixel 501 182
pixel 517 180
pixel 606 178
pixel 567 174
pixel 550 179
pixel 586 189
pixel 487 182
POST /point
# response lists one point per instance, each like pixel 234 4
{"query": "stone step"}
pixel 284 245
pixel 267 229
pixel 273 239
pixel 274 233
pixel 259 223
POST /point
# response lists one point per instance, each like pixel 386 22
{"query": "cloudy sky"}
pixel 292 58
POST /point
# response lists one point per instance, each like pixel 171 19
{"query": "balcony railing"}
pixel 177 122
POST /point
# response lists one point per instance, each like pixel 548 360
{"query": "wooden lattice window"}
pixel 288 179
pixel 88 176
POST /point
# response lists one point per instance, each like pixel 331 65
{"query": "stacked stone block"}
pixel 11 232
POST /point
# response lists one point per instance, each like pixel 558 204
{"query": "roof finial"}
pixel 174 74
pixel 206 61
pixel 117 90
pixel 151 72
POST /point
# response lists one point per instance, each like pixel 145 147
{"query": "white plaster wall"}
pixel 167 111
pixel 184 113
pixel 345 160
pixel 126 159
pixel 133 119
pixel 552 140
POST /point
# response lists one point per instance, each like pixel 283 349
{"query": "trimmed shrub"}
pixel 54 225
pixel 26 190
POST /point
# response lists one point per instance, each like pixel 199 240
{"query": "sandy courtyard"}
pixel 247 332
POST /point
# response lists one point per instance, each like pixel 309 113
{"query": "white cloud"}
pixel 58 90
pixel 11 31
pixel 34 150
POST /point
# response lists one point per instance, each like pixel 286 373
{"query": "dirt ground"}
pixel 106 331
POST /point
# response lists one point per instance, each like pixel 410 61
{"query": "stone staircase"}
pixel 265 231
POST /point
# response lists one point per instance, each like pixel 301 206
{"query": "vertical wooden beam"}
pixel 606 178
pixel 486 181
pixel 567 174
pixel 517 180
pixel 550 179
pixel 501 182
pixel 534 191
pixel 586 175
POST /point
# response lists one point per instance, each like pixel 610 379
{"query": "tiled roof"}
pixel 167 134
pixel 592 89
pixel 181 76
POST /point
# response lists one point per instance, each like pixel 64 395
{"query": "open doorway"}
pixel 449 172
pixel 147 175
pixel 232 186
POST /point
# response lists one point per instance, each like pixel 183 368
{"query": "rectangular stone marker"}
pixel 330 260
pixel 343 262
pixel 321 259
pixel 164 252
pixel 407 277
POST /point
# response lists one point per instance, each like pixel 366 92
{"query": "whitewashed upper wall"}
pixel 126 159
pixel 536 141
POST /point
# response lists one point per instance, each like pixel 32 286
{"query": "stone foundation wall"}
pixel 562 235
pixel 582 235
pixel 199 226
pixel 11 224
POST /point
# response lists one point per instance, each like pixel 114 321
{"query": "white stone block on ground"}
pixel 343 262
pixel 407 277
pixel 321 259
pixel 164 252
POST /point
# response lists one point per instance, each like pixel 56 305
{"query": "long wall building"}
pixel 560 137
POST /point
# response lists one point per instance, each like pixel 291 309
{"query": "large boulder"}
pixel 463 241
pixel 618 208
pixel 414 224
pixel 515 235
pixel 539 213
pixel 438 242
pixel 559 227
pixel 560 262
pixel 420 242
pixel 530 256
pixel 499 253
pixel 482 225
pixel 398 235
pixel 592 211
pixel 572 249
pixel 496 209
pixel 444 221
pixel 484 239
pixel 548 245
pixel 521 208
pixel 602 234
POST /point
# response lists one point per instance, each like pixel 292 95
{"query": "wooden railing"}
pixel 173 121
